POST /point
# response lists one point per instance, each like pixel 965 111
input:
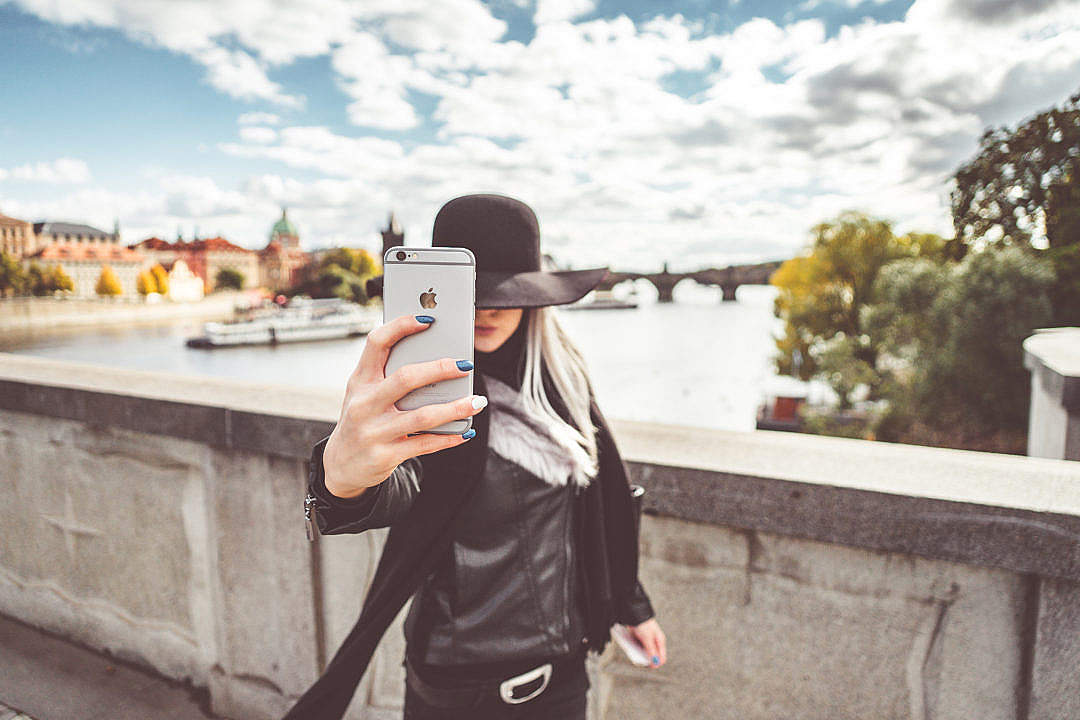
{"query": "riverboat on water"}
pixel 302 320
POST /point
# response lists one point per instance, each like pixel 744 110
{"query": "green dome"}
pixel 283 226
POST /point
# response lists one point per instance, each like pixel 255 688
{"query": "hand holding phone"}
pixel 439 282
pixel 371 437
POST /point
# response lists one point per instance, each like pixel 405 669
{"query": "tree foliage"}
pixel 161 278
pixel 35 279
pixel 824 296
pixel 959 329
pixel 229 278
pixel 343 272
pixel 146 283
pixel 107 282
pixel 13 279
pixel 61 280
pixel 1021 178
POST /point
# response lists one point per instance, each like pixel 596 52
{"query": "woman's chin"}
pixel 485 344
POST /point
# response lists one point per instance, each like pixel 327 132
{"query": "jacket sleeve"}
pixel 635 608
pixel 377 507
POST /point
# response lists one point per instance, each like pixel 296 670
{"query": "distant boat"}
pixel 304 319
pixel 605 300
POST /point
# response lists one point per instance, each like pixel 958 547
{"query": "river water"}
pixel 695 361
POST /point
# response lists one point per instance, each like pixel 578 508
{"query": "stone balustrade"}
pixel 159 518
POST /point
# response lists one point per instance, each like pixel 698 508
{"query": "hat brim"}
pixel 537 288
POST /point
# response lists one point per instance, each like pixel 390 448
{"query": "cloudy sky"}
pixel 693 132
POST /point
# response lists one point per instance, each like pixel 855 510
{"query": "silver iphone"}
pixel 440 282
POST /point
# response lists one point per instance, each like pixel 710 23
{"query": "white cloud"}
pixel 238 75
pixel 60 171
pixel 562 10
pixel 258 118
pixel 258 134
pixel 377 82
pixel 644 142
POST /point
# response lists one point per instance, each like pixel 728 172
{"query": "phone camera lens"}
pixel 400 254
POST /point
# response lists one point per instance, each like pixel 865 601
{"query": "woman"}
pixel 530 575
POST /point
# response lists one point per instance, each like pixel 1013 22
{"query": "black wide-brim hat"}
pixel 504 236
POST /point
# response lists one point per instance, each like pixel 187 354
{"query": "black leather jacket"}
pixel 511 587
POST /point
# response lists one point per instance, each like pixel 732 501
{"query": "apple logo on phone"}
pixel 427 299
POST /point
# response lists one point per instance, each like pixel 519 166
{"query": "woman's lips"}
pixel 484 329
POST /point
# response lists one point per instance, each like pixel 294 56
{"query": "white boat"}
pixel 304 319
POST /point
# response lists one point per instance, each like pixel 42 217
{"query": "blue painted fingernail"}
pixel 655 660
pixel 469 434
pixel 464 365
pixel 426 319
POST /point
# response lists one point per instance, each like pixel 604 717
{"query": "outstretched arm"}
pixel 378 506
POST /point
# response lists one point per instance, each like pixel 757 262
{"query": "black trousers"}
pixel 564 698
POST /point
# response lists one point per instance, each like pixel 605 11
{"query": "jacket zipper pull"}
pixel 309 523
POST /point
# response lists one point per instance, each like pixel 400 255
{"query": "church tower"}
pixel 285 232
pixel 392 235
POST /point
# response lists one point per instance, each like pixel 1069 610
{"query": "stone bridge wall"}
pixel 160 519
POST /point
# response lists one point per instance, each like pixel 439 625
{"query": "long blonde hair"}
pixel 547 342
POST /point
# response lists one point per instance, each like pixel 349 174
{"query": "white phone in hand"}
pixel 440 282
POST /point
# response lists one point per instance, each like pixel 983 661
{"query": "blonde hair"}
pixel 546 342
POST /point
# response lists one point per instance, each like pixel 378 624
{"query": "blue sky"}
pixel 691 132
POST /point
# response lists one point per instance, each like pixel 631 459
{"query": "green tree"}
pixel 824 295
pixel 959 328
pixel 227 278
pixel 13 278
pixel 40 280
pixel 1063 223
pixel 1008 189
pixel 108 283
pixel 343 273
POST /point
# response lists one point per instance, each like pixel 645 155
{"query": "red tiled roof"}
pixel 153 243
pixel 5 220
pixel 214 244
pixel 80 252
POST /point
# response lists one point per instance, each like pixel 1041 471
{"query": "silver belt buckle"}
pixel 506 689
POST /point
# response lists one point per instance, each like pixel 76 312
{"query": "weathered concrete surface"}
pixel 1056 691
pixel 763 626
pixel 794 577
pixel 50 679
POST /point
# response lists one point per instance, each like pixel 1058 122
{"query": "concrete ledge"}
pixel 1003 511
pixel 273 419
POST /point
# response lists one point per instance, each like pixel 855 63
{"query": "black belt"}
pixel 513 690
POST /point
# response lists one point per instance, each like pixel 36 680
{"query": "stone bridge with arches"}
pixel 728 279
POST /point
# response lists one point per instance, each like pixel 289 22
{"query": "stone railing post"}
pixel 1053 357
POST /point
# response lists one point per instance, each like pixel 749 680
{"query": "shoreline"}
pixel 19 314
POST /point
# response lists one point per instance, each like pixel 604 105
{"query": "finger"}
pixel 377 346
pixel 663 648
pixel 416 375
pixel 430 416
pixel 428 443
pixel 654 648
